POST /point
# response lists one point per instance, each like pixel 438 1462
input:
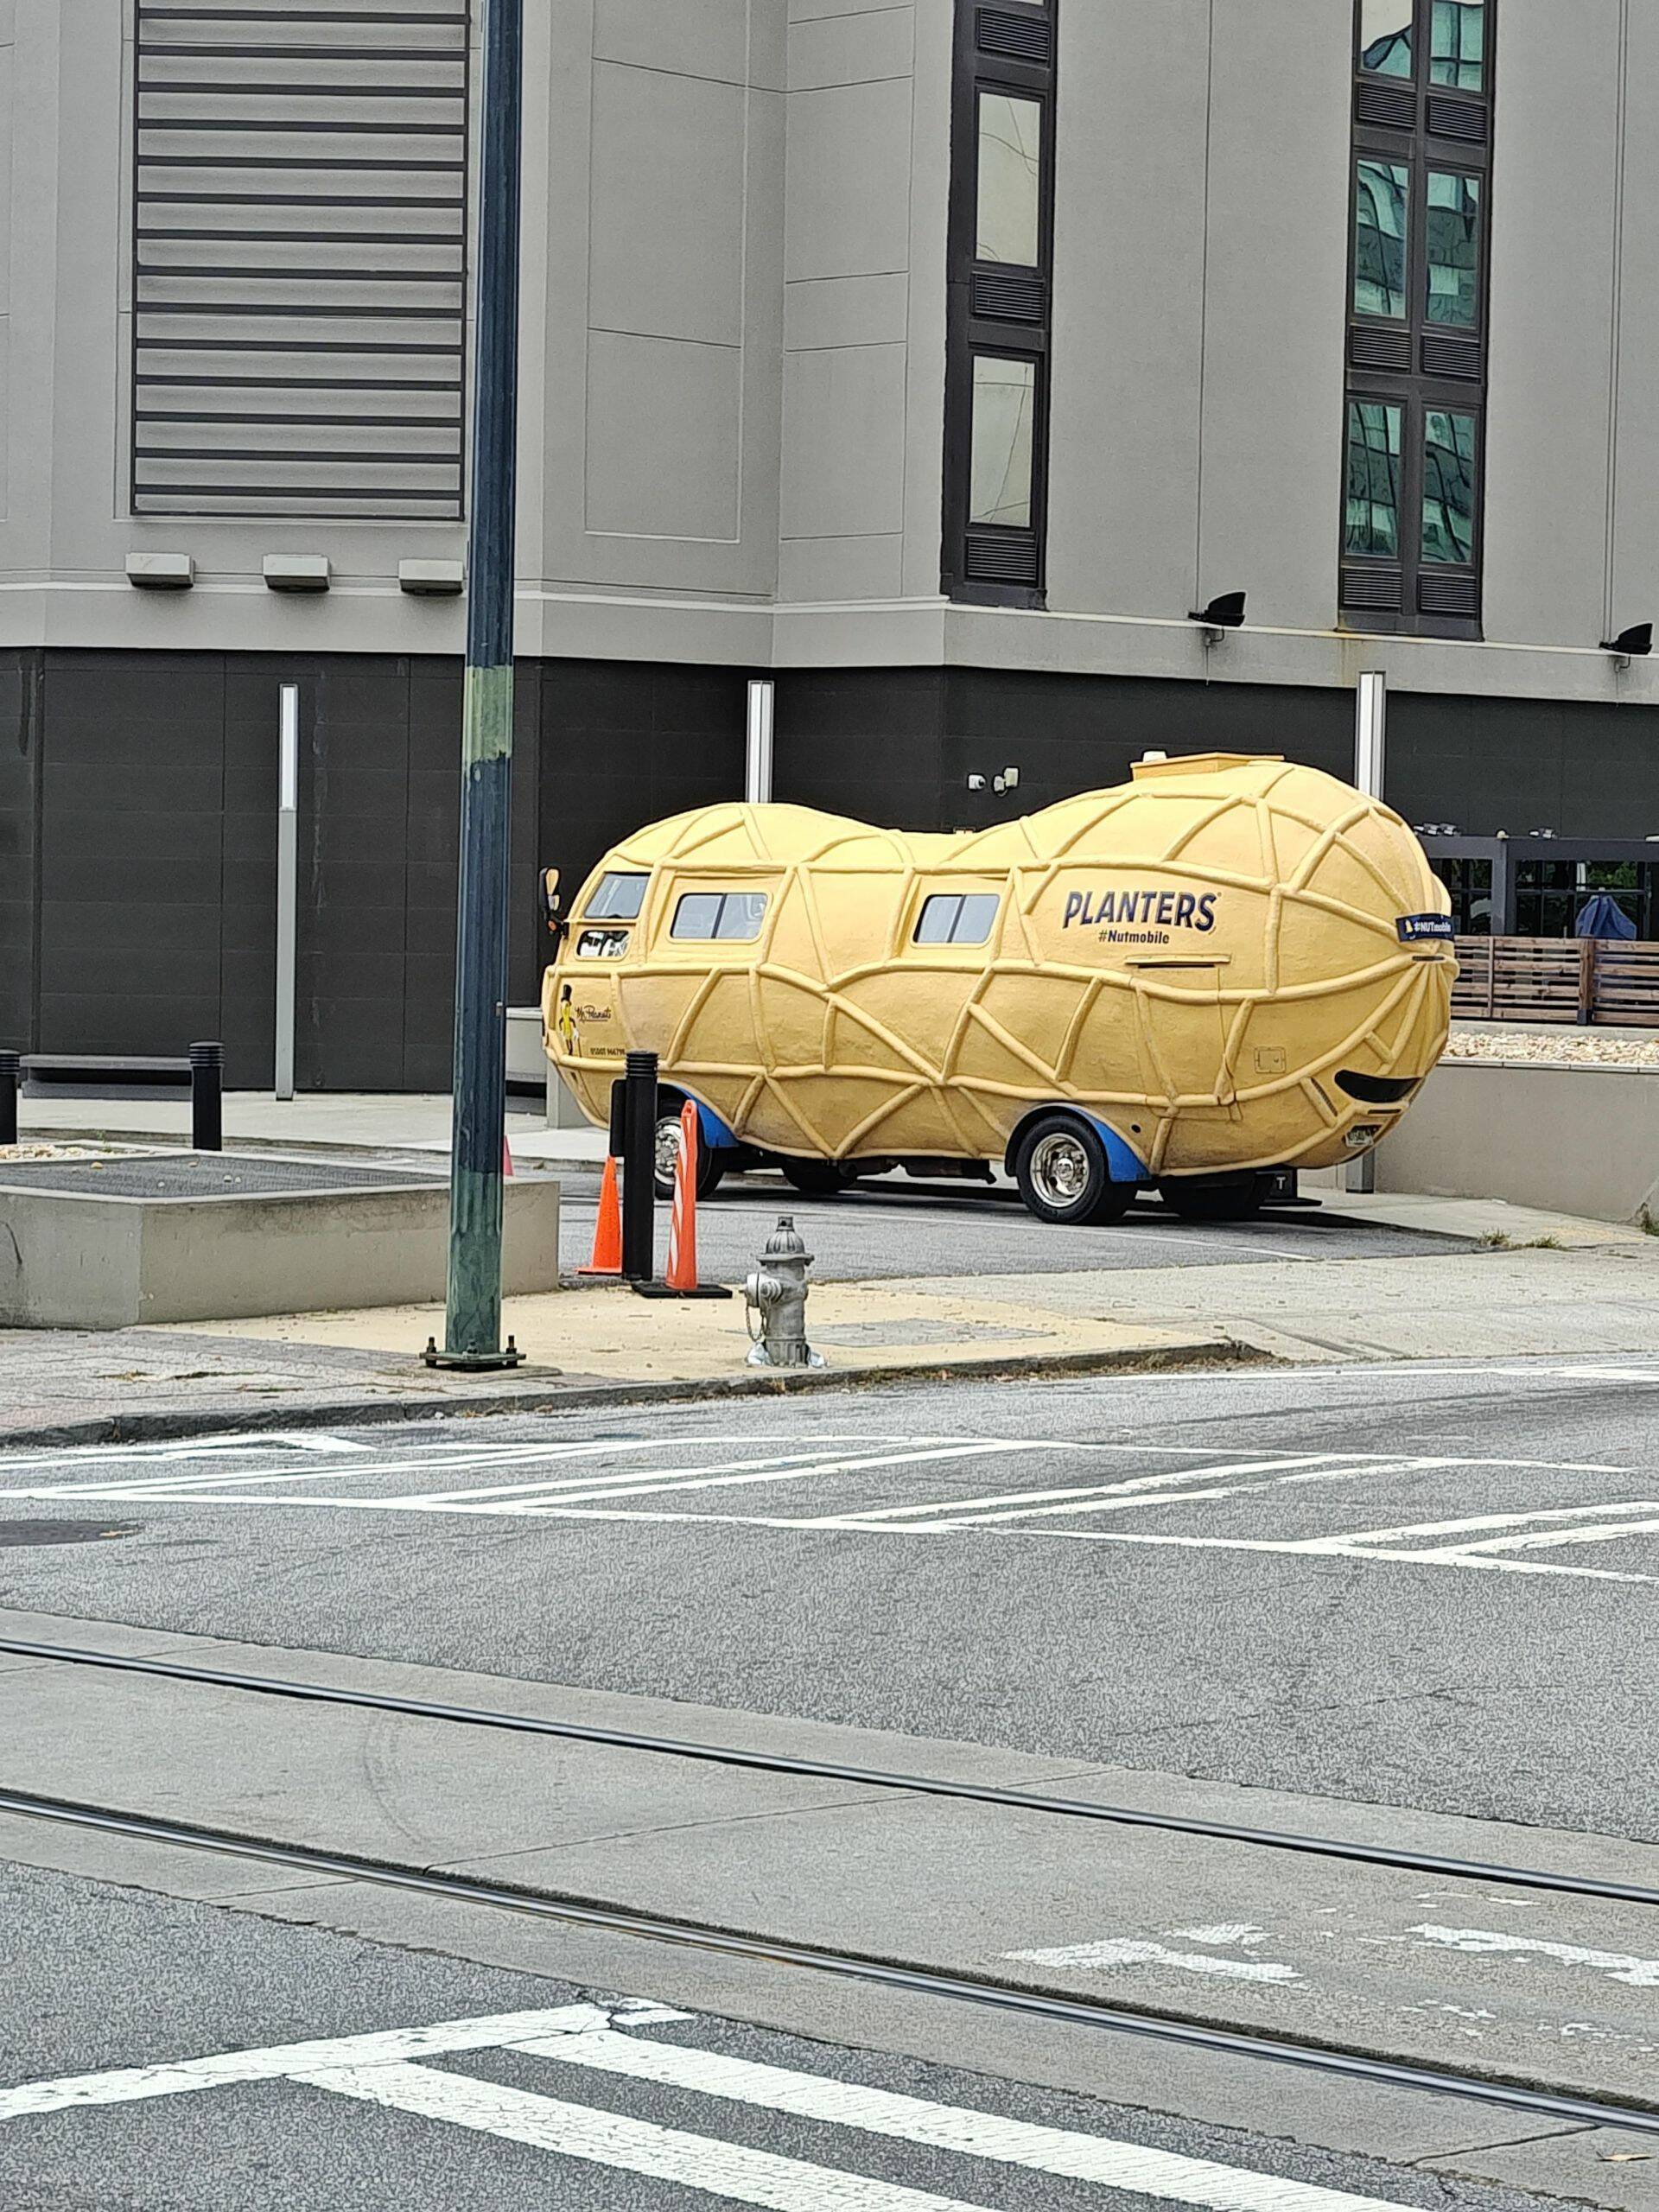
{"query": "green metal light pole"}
pixel 473 1314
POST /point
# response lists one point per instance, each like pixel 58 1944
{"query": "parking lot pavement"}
pixel 1426 1586
pixel 898 1227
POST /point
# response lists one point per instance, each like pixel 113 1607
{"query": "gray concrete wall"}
pixel 74 1263
pixel 1582 1140
pixel 735 221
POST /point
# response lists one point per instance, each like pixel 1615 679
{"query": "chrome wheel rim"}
pixel 1060 1168
pixel 668 1149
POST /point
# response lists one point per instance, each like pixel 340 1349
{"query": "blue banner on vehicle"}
pixel 1416 928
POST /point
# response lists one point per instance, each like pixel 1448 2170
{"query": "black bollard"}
pixel 639 1168
pixel 207 1097
pixel 619 1117
pixel 10 1063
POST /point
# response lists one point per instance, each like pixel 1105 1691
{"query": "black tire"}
pixel 815 1179
pixel 1065 1176
pixel 711 1164
pixel 1238 1200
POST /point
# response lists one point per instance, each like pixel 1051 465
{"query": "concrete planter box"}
pixel 85 1260
pixel 1571 1139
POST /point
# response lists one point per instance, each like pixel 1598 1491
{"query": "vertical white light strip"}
pixel 757 780
pixel 1370 732
pixel 287 863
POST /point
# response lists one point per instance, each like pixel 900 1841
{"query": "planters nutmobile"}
pixel 1228 968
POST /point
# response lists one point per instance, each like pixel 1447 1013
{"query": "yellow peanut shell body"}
pixel 1192 959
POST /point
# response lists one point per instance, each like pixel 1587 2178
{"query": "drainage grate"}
pixel 204 1175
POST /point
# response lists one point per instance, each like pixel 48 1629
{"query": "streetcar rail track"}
pixel 1507 2091
pixel 1341 1849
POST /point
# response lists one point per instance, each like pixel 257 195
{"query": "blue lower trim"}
pixel 715 1132
pixel 1120 1158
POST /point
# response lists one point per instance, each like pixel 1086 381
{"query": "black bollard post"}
pixel 619 1117
pixel 10 1064
pixel 639 1168
pixel 207 1097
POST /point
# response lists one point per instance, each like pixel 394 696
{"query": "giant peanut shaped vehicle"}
pixel 1227 968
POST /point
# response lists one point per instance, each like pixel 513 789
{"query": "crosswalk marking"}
pixel 637 2146
pixel 490 2031
pixel 1068 2155
pixel 381 2068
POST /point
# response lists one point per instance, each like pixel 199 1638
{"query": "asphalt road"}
pixel 1428 1587
pixel 616 2111
pixel 897 1227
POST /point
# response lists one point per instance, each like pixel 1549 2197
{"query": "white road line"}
pixel 635 2147
pixel 201 1448
pixel 1134 1485
pixel 1113 1951
pixel 1603 1532
pixel 490 2031
pixel 1317 1547
pixel 1618 1965
pixel 1104 1502
pixel 738 1472
pixel 1164 2175
pixel 1496 1522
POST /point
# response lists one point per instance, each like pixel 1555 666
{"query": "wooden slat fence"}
pixel 1577 979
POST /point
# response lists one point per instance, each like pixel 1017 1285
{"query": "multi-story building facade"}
pixel 933 357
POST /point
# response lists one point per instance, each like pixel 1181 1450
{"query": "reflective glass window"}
pixel 1381 196
pixel 709 916
pixel 741 913
pixel 1004 407
pixel 618 899
pixel 951 918
pixel 1453 249
pixel 1448 487
pixel 1373 513
pixel 1457 44
pixel 1010 175
pixel 1385 37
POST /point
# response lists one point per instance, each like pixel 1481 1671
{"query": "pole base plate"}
pixel 473 1362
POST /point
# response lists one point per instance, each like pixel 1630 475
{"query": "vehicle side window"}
pixel 957 917
pixel 618 899
pixel 735 917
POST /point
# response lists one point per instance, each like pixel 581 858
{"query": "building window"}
pixel 1000 269
pixel 1417 324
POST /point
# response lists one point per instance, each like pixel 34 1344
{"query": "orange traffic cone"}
pixel 681 1273
pixel 607 1229
pixel 680 1279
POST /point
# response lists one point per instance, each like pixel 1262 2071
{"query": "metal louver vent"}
pixel 1450 357
pixel 300 257
pixel 1464 119
pixel 1448 591
pixel 1393 107
pixel 1002 298
pixel 1005 557
pixel 1024 37
pixel 1373 590
pixel 1379 349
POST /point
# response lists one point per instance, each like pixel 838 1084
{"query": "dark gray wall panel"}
pixel 20 754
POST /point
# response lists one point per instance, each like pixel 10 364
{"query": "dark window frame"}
pixel 1420 366
pixel 996 308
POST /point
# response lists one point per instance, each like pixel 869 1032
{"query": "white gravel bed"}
pixel 1565 1047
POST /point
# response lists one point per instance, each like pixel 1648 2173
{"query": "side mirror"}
pixel 548 899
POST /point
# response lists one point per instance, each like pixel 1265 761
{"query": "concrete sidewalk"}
pixel 1020 1896
pixel 324 1121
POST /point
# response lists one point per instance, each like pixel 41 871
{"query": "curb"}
pixel 348 1413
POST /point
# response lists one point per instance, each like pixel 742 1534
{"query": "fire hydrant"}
pixel 776 1292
